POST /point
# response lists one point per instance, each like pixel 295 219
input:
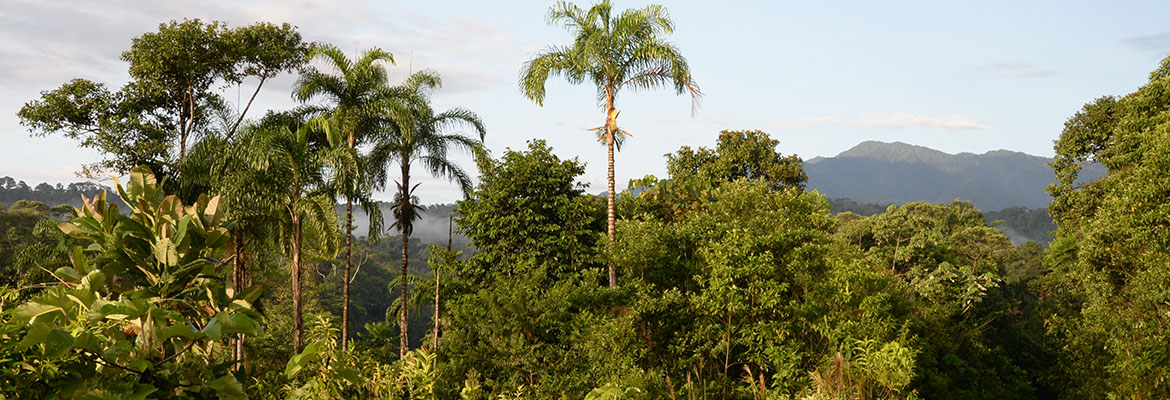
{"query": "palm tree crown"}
pixel 355 90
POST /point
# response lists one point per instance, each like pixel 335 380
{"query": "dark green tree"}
pixel 526 311
pixel 1107 288
pixel 171 98
pixel 748 155
pixel 293 165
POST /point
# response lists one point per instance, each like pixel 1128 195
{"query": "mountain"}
pixel 896 173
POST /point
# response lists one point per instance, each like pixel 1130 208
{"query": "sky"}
pixel 818 76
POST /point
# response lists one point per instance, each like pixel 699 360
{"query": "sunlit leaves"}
pixel 142 303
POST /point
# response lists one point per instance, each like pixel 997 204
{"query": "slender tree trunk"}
pixel 348 246
pixel 611 217
pixel 296 282
pixel 438 271
pixel 236 126
pixel 246 274
pixel 345 282
pixel 437 281
pixel 404 227
pixel 238 285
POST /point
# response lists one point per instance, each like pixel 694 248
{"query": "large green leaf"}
pixel 34 309
pixel 35 335
pixel 227 387
pixel 299 361
pixel 57 343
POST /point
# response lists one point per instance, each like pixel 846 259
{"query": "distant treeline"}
pixel 1020 224
pixel 12 190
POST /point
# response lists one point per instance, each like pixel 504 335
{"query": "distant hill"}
pixel 896 173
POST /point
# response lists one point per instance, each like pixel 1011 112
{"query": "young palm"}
pixel 613 52
pixel 417 136
pixel 285 157
pixel 352 92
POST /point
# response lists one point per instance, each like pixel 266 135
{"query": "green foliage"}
pixel 870 370
pixel 952 266
pixel 140 311
pixel 527 207
pixel 31 246
pixel 171 98
pixel 747 155
pixel 740 290
pixel 1108 280
pixel 528 313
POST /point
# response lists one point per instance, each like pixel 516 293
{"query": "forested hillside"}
pixel 1019 224
pixel 244 255
pixel 896 173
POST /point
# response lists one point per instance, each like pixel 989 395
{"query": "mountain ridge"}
pixel 896 173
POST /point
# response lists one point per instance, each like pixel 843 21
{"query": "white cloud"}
pixel 1018 69
pixel 899 120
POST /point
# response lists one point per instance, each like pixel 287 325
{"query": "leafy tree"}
pixel 355 92
pixel 171 98
pixel 1107 289
pixel 613 52
pixel 140 311
pixel 952 267
pixel 743 292
pixel 526 312
pixel 421 136
pixel 749 155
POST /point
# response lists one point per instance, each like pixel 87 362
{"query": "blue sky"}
pixel 819 76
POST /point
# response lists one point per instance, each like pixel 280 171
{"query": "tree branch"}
pixel 240 118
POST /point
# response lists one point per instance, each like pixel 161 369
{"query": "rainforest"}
pixel 242 252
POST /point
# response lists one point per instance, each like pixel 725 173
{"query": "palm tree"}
pixel 353 91
pixel 415 134
pixel 294 168
pixel 613 53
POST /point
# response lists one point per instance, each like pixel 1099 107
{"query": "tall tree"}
pixel 286 157
pixel 1109 260
pixel 613 52
pixel 416 134
pixel 353 91
pixel 171 98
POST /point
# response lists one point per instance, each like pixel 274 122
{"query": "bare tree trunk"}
pixel 240 118
pixel 296 282
pixel 404 227
pixel 438 271
pixel 238 285
pixel 345 282
pixel 437 281
pixel 246 274
pixel 611 217
pixel 348 246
